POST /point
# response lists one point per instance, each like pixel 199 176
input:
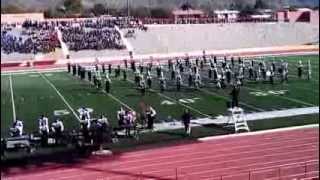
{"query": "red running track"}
pixel 292 154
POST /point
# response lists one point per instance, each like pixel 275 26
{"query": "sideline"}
pixel 259 132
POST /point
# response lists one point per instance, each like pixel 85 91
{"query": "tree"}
pixel 260 4
pixel 140 12
pixel 159 13
pixel 99 9
pixel 73 6
pixel 247 10
pixel 11 8
pixel 186 6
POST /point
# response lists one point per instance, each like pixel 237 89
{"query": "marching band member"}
pixel 43 125
pixel 17 128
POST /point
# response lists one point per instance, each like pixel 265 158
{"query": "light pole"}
pixel 128 8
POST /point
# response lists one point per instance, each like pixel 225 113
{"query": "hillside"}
pixel 216 4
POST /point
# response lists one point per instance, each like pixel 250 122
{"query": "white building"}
pixel 226 15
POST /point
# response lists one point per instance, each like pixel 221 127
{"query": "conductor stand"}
pixel 237 118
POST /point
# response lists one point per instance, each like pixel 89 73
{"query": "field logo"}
pixel 268 93
pixel 90 110
pixel 166 102
pixel 188 101
pixel 62 112
pixel 185 101
pixel 34 75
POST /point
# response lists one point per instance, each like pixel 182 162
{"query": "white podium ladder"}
pixel 237 117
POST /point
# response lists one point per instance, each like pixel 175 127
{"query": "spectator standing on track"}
pixel 186 119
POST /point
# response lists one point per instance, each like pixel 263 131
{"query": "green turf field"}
pixel 35 93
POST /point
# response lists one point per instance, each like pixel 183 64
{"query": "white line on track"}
pixel 61 96
pixel 216 163
pixel 283 97
pixel 222 137
pixel 12 99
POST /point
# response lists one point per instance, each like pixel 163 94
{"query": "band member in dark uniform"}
pixel 151 116
pixel 124 72
pixel 210 72
pixel 133 66
pixel 162 85
pixel 69 67
pixel 186 119
pixel 89 75
pixel 117 71
pixel 74 69
pixel 126 64
pixel 235 95
pixel 149 81
pixel 103 68
pixel 232 61
pixel 109 68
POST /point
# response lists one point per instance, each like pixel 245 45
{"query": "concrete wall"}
pixel 19 18
pixel 183 38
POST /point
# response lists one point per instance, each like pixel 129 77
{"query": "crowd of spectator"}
pixel 79 38
pixel 28 41
pixel 41 37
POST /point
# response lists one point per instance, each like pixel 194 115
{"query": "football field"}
pixel 28 95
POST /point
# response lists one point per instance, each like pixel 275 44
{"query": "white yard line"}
pixel 283 97
pixel 61 96
pixel 12 99
pixel 126 42
pixel 21 72
pixel 118 100
pixel 114 98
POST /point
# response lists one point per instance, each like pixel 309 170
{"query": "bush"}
pixel 141 12
pixel 99 9
pixel 159 13
pixel 73 6
pixel 12 9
